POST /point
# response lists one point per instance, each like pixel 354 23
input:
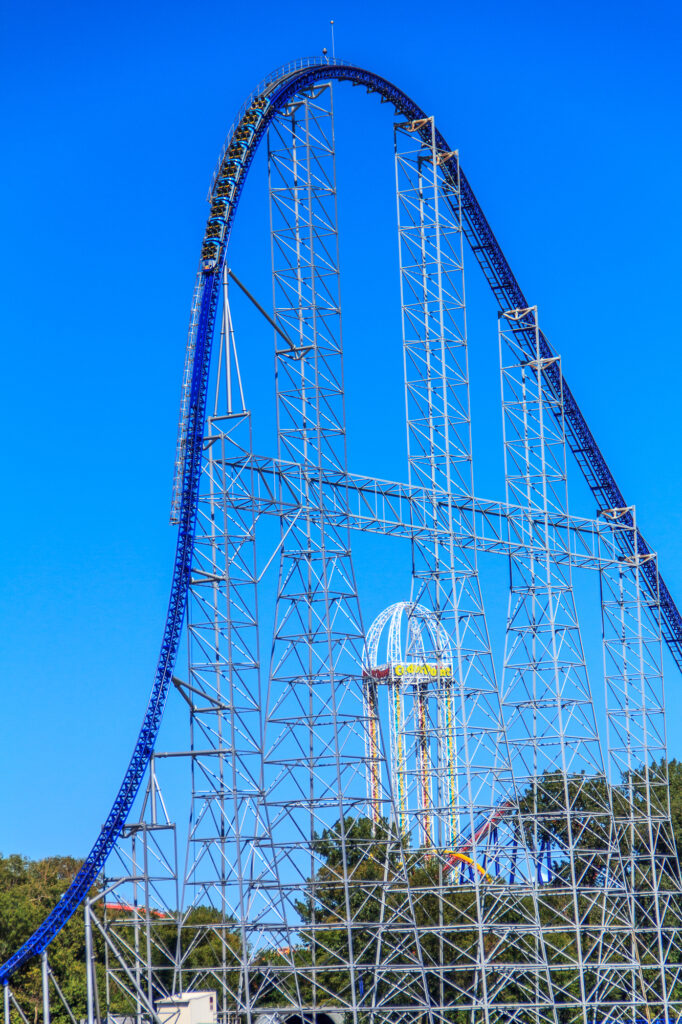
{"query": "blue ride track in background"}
pixel 240 149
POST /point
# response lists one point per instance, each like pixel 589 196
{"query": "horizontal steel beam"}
pixel 402 510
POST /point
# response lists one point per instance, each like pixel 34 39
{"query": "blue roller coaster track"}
pixel 240 148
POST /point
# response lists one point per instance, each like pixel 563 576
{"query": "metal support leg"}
pixel 90 993
pixel 45 980
pixel 638 766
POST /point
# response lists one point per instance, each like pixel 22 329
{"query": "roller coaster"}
pixel 507 855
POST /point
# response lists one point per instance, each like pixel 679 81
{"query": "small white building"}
pixel 188 1008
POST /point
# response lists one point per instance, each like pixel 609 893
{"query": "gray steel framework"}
pixel 638 777
pixel 566 808
pixel 536 878
pixel 483 928
pixel 336 957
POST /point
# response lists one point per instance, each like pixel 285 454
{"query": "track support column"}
pixel 229 868
pixel 456 717
pixel 45 985
pixel 565 803
pixel 89 981
pixel 322 730
pixel 638 768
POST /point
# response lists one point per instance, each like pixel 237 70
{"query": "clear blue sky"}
pixel 567 118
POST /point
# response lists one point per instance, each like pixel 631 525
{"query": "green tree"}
pixel 675 782
pixel 28 891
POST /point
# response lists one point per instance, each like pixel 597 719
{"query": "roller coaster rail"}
pixel 255 116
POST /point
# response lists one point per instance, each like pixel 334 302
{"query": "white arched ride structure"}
pixel 408 656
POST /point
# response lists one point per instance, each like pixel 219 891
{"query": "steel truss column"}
pixel 137 906
pixel 229 879
pixel 342 875
pixel 638 769
pixel 565 805
pixel 170 931
pixel 45 985
pixel 89 967
pixel 457 708
pixel 439 457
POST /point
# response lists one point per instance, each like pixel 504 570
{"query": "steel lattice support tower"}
pixel 131 920
pixel 203 931
pixel 317 717
pixel 638 772
pixel 566 806
pixel 474 926
pixel 228 871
